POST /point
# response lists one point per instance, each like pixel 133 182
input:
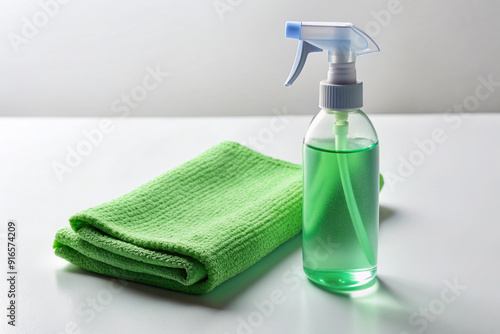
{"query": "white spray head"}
pixel 343 41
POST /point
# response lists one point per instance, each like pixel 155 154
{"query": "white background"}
pixel 234 60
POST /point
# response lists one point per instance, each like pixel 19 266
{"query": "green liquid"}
pixel 332 253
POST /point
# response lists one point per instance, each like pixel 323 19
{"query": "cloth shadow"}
pixel 219 298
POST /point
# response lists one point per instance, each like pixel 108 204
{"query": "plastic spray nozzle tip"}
pixel 293 29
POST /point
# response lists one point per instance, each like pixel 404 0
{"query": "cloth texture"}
pixel 193 227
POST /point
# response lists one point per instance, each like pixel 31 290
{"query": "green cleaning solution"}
pixel 340 163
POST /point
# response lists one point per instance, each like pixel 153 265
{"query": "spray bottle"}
pixel 340 162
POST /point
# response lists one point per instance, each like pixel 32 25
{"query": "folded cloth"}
pixel 193 227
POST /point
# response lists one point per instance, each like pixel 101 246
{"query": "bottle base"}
pixel 343 280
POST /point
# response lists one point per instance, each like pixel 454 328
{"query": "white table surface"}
pixel 439 227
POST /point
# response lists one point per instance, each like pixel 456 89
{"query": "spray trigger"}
pixel 300 59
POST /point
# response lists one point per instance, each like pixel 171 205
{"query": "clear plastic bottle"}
pixel 340 205
pixel 340 161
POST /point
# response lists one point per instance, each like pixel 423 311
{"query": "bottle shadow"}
pixel 385 213
pixel 382 302
pixel 391 301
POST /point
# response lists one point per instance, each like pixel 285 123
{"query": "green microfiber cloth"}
pixel 193 227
